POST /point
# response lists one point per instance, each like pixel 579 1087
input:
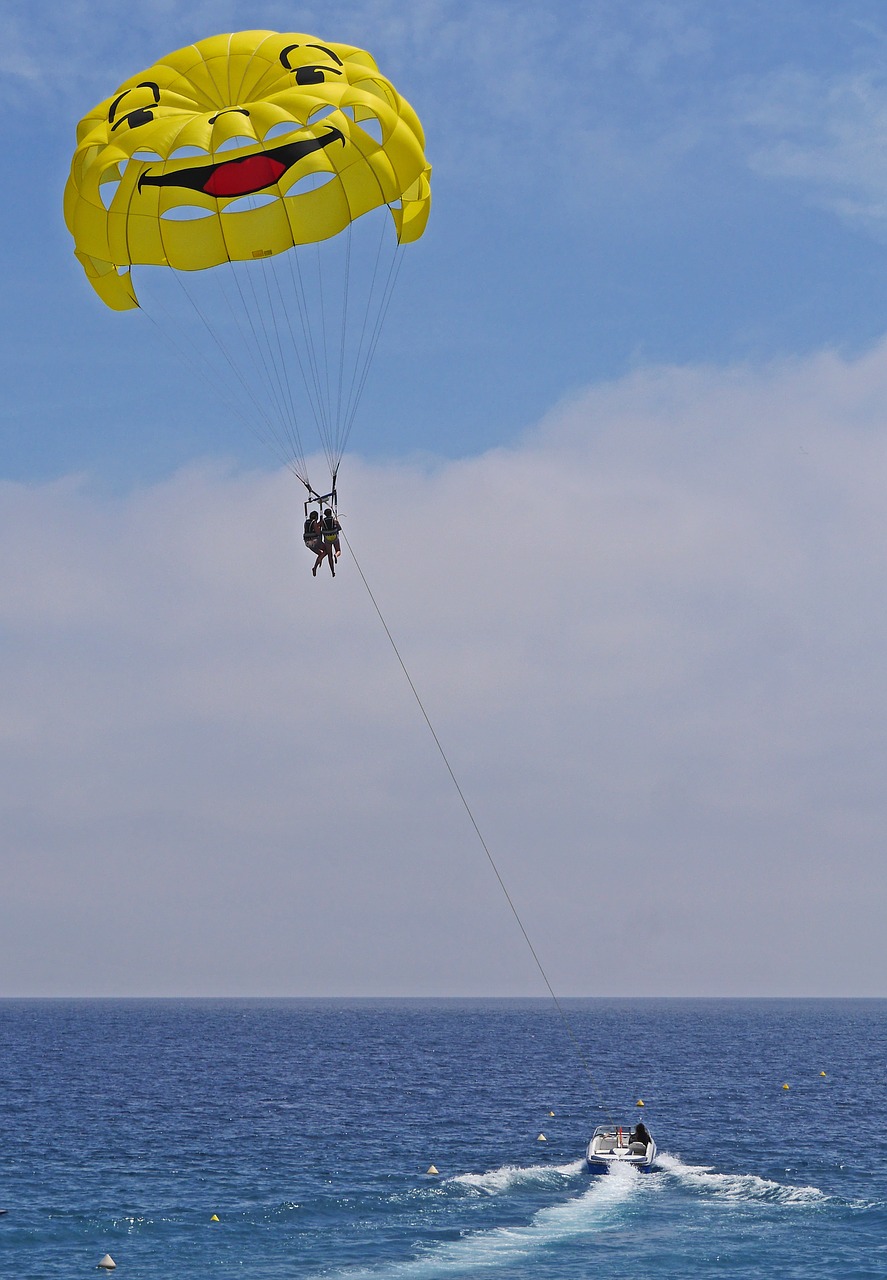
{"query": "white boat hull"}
pixel 610 1146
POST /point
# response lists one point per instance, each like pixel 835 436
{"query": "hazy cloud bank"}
pixel 651 638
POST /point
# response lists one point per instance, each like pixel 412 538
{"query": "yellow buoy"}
pixel 214 1218
pixel 542 1138
pixel 822 1073
pixel 551 1113
pixel 786 1086
pixel 431 1169
pixel 640 1102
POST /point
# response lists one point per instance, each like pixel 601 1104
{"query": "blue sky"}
pixel 639 184
pixel 653 293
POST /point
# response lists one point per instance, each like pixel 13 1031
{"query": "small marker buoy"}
pixel 431 1169
pixel 214 1218
pixel 551 1113
pixel 786 1086
pixel 107 1263
pixel 639 1103
pixel 542 1138
pixel 822 1073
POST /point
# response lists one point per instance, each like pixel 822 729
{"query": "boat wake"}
pixel 510 1176
pixel 737 1186
pixel 570 1220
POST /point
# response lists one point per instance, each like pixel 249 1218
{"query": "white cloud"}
pixel 829 134
pixel 651 638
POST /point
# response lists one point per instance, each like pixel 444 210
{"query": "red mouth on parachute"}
pixel 246 176
pixel 243 177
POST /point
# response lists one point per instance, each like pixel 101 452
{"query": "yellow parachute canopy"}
pixel 250 187
pixel 236 148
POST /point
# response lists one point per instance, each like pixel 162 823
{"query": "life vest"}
pixel 330 527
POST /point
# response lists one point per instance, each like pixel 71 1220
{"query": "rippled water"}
pixel 307 1127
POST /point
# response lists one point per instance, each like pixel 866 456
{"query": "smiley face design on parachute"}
pixel 238 147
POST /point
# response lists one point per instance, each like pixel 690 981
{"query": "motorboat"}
pixel 614 1145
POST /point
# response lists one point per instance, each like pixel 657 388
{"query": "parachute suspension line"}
pixel 265 349
pixel 317 400
pixel 272 265
pixel 342 337
pixel 326 357
pixel 270 436
pixel 284 433
pixel 312 384
pixel 391 281
pixel 189 354
pixel 361 361
pixel 365 355
pixel 286 373
pixel 514 911
pixel 282 364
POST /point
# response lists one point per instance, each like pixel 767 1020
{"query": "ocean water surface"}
pixel 307 1128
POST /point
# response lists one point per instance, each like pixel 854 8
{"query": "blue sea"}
pixel 307 1128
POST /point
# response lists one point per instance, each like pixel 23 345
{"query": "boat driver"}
pixel 640 1134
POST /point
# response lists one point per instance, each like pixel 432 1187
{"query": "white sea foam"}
pixel 132 1223
pixel 583 1215
pixel 496 1181
pixel 738 1186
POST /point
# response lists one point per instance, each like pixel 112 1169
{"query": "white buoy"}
pixel 107 1263
pixel 432 1170
pixel 542 1138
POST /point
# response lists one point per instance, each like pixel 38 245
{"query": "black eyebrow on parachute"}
pixel 285 53
pixel 335 57
pixel 145 84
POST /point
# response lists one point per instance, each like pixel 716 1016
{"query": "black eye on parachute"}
pixel 138 115
pixel 142 115
pixel 314 75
